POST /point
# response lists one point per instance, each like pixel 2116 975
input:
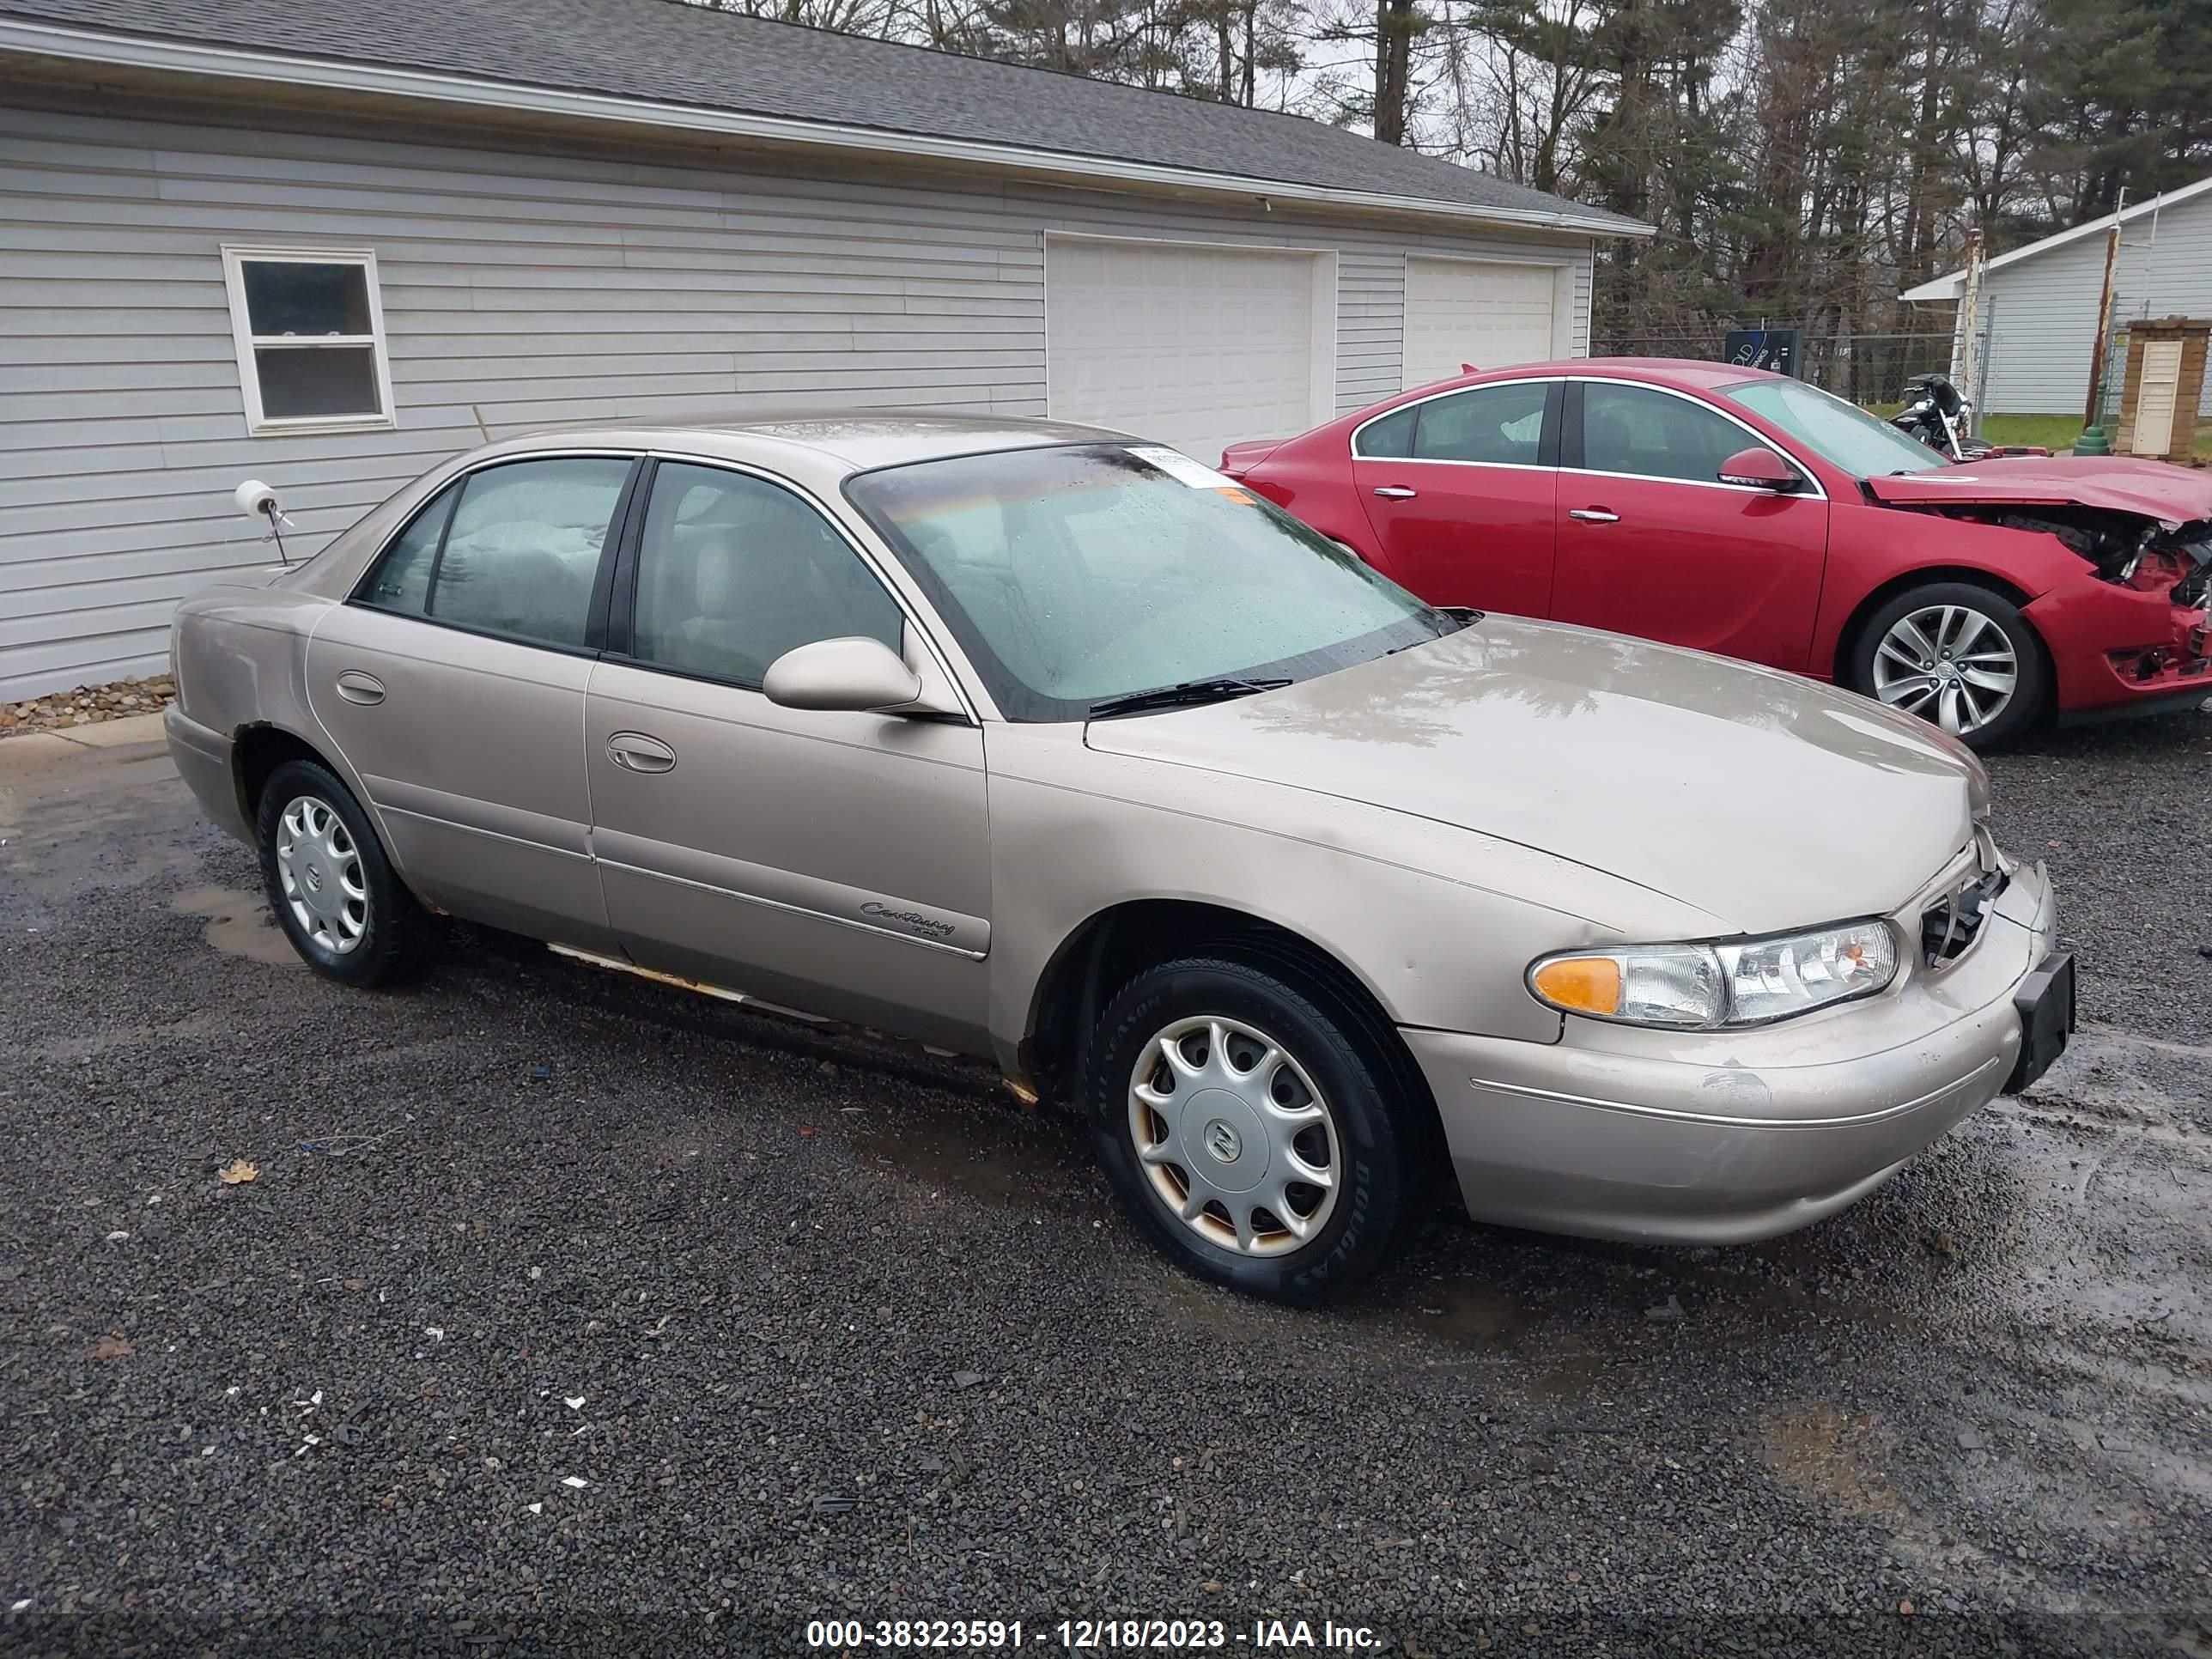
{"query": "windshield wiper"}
pixel 1189 691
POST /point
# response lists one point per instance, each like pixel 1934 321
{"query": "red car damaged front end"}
pixel 2132 631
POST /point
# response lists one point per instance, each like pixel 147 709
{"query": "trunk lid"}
pixel 1239 457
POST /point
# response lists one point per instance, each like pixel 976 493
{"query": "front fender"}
pixel 1437 922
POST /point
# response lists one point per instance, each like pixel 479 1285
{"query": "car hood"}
pixel 2156 489
pixel 1763 800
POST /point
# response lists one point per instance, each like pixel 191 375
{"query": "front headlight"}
pixel 1704 987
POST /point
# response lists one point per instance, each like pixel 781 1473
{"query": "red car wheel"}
pixel 1959 656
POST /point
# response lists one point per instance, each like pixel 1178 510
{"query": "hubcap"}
pixel 1949 663
pixel 319 869
pixel 1234 1138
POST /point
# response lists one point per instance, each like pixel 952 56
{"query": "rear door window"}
pixel 1502 425
pixel 401 579
pixel 512 549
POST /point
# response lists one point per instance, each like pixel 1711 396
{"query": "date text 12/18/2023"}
pixel 1090 1635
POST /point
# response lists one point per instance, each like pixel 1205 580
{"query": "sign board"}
pixel 1773 349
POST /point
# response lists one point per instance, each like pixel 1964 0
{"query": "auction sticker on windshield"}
pixel 1180 467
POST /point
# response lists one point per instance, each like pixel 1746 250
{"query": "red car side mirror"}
pixel 1761 468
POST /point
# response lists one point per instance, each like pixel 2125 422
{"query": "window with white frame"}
pixel 309 327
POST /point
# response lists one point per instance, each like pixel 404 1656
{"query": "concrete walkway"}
pixel 25 747
pixel 36 751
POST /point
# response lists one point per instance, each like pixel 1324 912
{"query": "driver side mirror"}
pixel 1761 468
pixel 856 675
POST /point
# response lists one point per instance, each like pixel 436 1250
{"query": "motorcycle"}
pixel 1936 415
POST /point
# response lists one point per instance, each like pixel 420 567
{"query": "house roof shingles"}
pixel 665 51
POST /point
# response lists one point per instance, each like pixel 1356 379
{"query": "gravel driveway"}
pixel 565 1314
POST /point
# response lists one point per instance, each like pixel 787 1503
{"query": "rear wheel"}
pixel 1250 1126
pixel 335 894
pixel 1958 656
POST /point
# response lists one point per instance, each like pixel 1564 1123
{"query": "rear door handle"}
pixel 1593 516
pixel 635 752
pixel 1397 492
pixel 357 687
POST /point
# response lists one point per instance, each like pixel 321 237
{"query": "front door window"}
pixel 1644 434
pixel 734 571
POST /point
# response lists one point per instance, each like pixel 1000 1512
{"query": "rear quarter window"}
pixel 1388 439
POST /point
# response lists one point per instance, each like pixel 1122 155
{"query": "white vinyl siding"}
pixel 1197 346
pixel 2042 311
pixel 520 289
pixel 1485 313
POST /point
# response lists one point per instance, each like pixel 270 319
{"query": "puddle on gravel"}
pixel 1834 1457
pixel 1468 1314
pixel 238 925
pixel 972 1159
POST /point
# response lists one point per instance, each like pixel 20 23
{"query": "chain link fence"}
pixel 1870 369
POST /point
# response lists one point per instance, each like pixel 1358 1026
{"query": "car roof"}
pixel 1679 371
pixel 849 440
pixel 1688 371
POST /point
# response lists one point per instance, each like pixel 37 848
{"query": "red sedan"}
pixel 1751 514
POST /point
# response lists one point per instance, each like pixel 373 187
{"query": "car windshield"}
pixel 1078 574
pixel 1865 446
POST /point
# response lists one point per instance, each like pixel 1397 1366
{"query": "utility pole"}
pixel 2093 441
pixel 1968 356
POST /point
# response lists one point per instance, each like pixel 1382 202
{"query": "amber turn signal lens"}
pixel 1590 985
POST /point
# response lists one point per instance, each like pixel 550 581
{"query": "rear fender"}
pixel 241 663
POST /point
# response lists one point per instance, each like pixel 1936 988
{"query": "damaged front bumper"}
pixel 2132 633
pixel 2120 650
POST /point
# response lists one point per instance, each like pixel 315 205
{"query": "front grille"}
pixel 1949 927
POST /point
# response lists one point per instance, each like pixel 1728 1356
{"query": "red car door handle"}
pixel 1593 516
pixel 1397 492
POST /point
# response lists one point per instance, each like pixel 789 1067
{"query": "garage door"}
pixel 1459 312
pixel 1195 346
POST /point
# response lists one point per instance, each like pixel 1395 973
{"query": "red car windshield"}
pixel 1843 435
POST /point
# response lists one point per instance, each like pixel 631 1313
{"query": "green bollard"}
pixel 2093 441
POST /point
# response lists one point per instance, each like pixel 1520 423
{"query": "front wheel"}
pixel 1959 656
pixel 1248 1124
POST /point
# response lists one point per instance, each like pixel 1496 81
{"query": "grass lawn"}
pixel 2057 433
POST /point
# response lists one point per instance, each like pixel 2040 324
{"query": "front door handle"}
pixel 1593 516
pixel 357 687
pixel 1397 492
pixel 635 752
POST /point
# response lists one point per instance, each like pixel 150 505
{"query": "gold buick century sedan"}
pixel 1051 746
